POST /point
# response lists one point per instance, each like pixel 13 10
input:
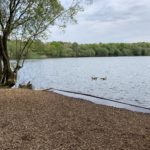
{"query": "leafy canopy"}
pixel 30 18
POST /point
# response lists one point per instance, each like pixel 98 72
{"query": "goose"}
pixel 104 78
pixel 94 78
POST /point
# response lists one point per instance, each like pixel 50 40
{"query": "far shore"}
pixel 46 120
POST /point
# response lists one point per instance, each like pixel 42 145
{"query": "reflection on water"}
pixel 128 78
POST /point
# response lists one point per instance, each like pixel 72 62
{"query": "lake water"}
pixel 128 78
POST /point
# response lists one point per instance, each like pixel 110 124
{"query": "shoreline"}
pixel 46 120
pixel 102 101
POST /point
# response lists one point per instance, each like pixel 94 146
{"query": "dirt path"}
pixel 36 120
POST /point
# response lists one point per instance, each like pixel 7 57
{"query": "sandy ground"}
pixel 37 120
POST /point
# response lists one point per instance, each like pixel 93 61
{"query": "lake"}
pixel 128 78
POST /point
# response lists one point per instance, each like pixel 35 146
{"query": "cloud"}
pixel 116 10
pixel 109 21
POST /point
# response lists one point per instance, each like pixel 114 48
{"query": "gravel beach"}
pixel 41 120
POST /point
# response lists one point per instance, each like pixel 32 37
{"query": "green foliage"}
pixel 39 49
pixel 102 51
pixel 29 20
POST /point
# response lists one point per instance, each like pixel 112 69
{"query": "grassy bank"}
pixel 43 120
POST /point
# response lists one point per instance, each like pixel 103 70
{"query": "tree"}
pixel 75 48
pixel 117 52
pixel 102 51
pixel 27 20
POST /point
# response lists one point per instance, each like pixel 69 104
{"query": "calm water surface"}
pixel 128 78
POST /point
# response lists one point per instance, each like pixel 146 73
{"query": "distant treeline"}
pixel 64 49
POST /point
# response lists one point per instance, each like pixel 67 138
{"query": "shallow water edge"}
pixel 103 102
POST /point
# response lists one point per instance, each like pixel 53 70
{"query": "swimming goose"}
pixel 104 78
pixel 94 78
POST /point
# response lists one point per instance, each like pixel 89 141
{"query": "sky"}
pixel 108 21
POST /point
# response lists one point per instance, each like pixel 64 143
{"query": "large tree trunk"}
pixel 8 77
pixel 1 71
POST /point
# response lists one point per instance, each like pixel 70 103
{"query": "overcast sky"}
pixel 108 21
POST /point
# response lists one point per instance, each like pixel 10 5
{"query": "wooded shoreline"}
pixel 60 49
pixel 45 120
